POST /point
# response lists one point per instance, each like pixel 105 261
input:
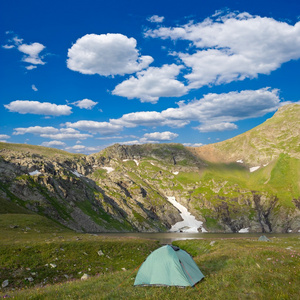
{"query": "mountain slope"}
pixel 125 188
pixel 279 134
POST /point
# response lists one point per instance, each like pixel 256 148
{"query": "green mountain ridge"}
pixel 125 188
pixel 262 144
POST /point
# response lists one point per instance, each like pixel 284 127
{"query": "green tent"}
pixel 168 265
pixel 263 238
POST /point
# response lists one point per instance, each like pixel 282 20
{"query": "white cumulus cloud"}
pixel 35 130
pixel 160 136
pixel 217 127
pixel 85 103
pixel 97 127
pixel 151 84
pixel 31 67
pixel 84 149
pixel 156 19
pixel 32 53
pixel 213 111
pixel 154 137
pixel 53 144
pixel 8 46
pixel 227 107
pixel 38 108
pixel 106 54
pixel 52 132
pixel 67 134
pixel 193 144
pixel 4 137
pixel 233 47
pixel 142 118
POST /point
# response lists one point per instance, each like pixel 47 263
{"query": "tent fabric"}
pixel 166 266
pixel 263 238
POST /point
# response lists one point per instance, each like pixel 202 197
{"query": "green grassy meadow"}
pixel 42 260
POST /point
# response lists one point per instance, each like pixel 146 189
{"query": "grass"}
pixel 11 207
pixel 240 268
pixel 34 247
pixel 39 150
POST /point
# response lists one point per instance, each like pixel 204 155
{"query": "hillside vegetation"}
pixel 262 144
pixel 249 182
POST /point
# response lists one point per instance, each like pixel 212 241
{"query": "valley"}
pixel 251 181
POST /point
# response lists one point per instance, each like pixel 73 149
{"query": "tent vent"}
pixel 175 248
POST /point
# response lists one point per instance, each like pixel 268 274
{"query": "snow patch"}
pixel 108 169
pixel 175 173
pixel 189 223
pixel 254 169
pixel 76 173
pixel 36 172
pixel 244 230
pixel 240 161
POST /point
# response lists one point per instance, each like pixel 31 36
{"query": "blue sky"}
pixel 83 75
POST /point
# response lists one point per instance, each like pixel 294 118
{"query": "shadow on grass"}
pixel 213 265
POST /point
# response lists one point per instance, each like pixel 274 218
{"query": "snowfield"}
pixel 108 169
pixel 189 223
pixel 76 173
pixel 36 172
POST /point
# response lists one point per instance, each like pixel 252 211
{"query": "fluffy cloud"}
pixel 156 19
pixel 31 67
pixel 4 137
pixel 52 133
pixel 213 111
pixel 84 149
pixel 142 118
pixel 35 130
pixel 76 147
pixel 85 103
pixel 226 107
pixel 234 47
pixel 93 126
pixel 34 88
pixel 153 83
pixel 133 142
pixel 217 127
pixel 106 54
pixel 38 108
pixel 192 145
pixel 161 136
pixel 32 52
pixel 154 137
pixel 8 46
pixel 66 134
pixel 53 144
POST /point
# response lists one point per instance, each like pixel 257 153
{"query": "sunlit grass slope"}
pixel 242 268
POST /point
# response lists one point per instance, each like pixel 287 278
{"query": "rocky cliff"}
pixel 253 185
pixel 84 193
